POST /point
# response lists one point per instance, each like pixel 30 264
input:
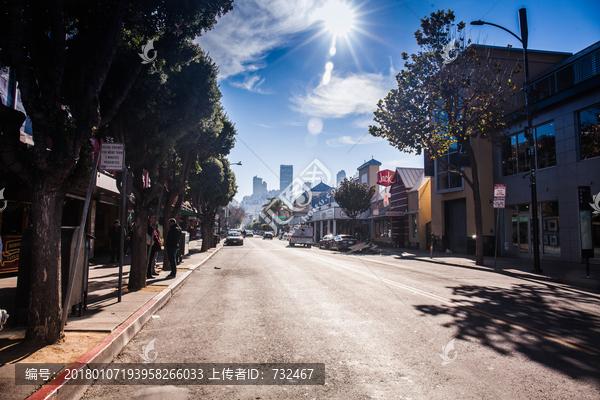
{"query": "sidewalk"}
pixel 573 274
pixel 105 327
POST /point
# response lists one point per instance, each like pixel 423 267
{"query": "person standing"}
pixel 171 245
pixel 115 234
pixel 153 242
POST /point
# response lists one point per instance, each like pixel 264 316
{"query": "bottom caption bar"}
pixel 175 374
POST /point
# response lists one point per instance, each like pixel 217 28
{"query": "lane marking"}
pixel 467 307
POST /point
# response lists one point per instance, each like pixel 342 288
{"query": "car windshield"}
pixel 346 237
pixel 234 234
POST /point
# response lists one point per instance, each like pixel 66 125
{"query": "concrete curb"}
pixel 105 351
pixel 518 274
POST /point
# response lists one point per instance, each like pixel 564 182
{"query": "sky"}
pixel 300 79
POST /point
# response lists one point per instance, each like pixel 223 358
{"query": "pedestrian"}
pixel 115 233
pixel 171 246
pixel 154 246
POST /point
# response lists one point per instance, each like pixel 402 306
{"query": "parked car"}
pixel 249 234
pixel 234 238
pixel 343 242
pixel 325 242
pixel 268 235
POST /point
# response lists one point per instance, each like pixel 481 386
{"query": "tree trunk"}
pixel 207 236
pixel 45 309
pixel 476 203
pixel 168 214
pixel 139 251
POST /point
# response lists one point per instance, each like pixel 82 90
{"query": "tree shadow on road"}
pixel 542 323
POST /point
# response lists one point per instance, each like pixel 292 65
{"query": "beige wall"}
pixel 419 201
pixel 483 154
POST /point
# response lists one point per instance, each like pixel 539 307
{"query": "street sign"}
pixel 500 191
pixel 499 202
pixel 112 157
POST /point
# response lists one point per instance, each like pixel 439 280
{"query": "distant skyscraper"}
pixel 341 176
pixel 286 176
pixel 256 186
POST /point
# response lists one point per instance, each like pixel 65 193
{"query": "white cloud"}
pixel 352 141
pixel 243 37
pixel 251 83
pixel 354 94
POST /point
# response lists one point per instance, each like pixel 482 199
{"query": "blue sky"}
pixel 290 106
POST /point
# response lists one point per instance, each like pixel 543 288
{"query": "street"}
pixel 383 327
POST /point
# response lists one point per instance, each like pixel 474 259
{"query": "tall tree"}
pixel 236 215
pixel 211 186
pixel 354 198
pixel 440 104
pixel 61 53
pixel 165 108
pixel 272 210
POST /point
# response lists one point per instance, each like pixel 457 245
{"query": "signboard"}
pixel 375 212
pixel 395 214
pixel 499 202
pixel 112 157
pixel 386 177
pixel 500 191
pixel 11 249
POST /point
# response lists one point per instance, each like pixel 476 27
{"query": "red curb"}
pixel 49 391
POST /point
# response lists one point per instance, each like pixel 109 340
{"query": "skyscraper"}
pixel 341 176
pixel 257 187
pixel 286 176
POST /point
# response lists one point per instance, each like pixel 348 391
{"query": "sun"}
pixel 338 17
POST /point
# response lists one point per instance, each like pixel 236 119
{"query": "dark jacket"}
pixel 173 236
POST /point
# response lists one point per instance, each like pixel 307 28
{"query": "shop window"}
pixel 383 228
pixel 509 156
pixel 414 226
pixel 550 228
pixel 589 132
pixel 545 145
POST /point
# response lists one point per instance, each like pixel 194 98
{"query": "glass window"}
pixel 546 145
pixel 415 229
pixel 447 180
pixel 523 149
pixel 589 132
pixel 550 228
pixel 509 156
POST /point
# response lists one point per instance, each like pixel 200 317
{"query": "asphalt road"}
pixel 380 325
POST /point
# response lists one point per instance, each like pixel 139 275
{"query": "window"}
pixel 515 158
pixel 589 132
pixel 445 178
pixel 414 226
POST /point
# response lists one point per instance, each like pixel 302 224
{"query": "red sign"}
pixel 500 191
pixel 386 177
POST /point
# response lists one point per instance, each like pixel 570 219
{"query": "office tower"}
pixel 286 176
pixel 341 176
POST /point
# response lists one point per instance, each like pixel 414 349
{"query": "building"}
pixel 286 176
pixel 340 177
pixel 566 125
pixel 452 204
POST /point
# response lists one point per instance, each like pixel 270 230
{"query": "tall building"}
pixel 341 176
pixel 257 187
pixel 286 176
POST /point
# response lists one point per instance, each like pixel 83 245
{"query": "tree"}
pixel 165 110
pixel 274 208
pixel 61 54
pixel 236 215
pixel 438 105
pixel 354 198
pixel 211 186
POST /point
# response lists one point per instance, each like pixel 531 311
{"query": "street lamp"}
pixel 528 133
pixel 237 163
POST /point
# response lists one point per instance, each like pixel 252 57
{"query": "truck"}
pixel 301 235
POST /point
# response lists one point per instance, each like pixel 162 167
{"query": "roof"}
pixel 372 161
pixel 410 176
pixel 420 183
pixel 321 187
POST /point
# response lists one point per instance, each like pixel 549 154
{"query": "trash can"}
pixel 184 246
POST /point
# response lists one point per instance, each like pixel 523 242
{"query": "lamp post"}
pixel 237 163
pixel 528 134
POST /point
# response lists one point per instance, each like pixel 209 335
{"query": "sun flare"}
pixel 338 17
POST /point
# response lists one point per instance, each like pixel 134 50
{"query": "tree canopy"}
pixel 353 197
